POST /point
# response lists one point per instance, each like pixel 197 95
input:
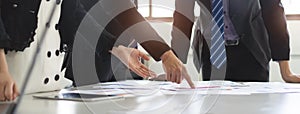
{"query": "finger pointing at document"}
pixel 175 70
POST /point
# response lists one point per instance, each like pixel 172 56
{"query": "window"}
pixel 162 10
pixel 156 10
pixel 292 9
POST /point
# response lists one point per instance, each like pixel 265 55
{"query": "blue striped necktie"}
pixel 217 49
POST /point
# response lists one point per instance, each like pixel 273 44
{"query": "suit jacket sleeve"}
pixel 275 22
pixel 182 28
pixel 140 30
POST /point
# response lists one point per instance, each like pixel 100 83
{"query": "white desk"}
pixel 168 104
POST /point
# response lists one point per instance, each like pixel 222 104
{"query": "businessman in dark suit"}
pixel 74 11
pixel 255 32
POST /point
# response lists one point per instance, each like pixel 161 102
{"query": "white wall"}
pixel 164 29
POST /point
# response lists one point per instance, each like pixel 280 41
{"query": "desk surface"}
pixel 170 104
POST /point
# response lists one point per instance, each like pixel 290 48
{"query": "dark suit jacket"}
pixel 74 11
pixel 261 25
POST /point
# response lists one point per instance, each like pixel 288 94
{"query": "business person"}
pixel 255 32
pixel 15 35
pixel 73 11
pixel 18 42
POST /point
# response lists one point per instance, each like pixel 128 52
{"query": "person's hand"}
pixel 8 88
pixel 131 58
pixel 287 74
pixel 175 71
pixel 291 78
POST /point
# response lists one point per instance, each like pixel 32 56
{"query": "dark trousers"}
pixel 241 65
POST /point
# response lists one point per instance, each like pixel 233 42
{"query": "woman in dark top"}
pixel 19 42
pixel 17 27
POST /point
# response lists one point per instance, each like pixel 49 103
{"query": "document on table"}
pixel 130 84
pixel 125 88
pixel 209 87
pixel 272 87
pixel 97 92
pixel 144 88
pixel 235 88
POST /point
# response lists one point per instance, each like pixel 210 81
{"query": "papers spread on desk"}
pixel 208 87
pixel 235 88
pixel 144 88
pixel 272 87
pixel 125 88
